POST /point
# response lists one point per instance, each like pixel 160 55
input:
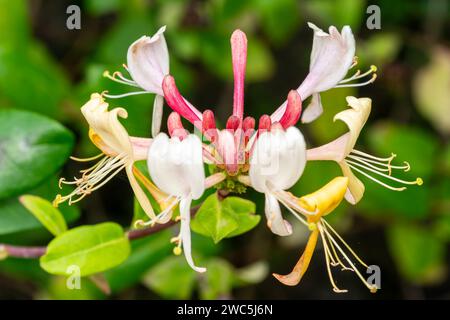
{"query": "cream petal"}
pixel 275 220
pixel 157 114
pixel 334 150
pixel 148 61
pixel 313 110
pixel 355 189
pixel 355 118
pixel 106 125
pixel 185 233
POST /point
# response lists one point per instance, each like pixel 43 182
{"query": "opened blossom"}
pixel 342 150
pixel 176 166
pixel 267 154
pixel 332 55
pixel 118 151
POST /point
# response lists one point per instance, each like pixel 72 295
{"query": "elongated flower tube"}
pixel 276 163
pixel 176 167
pixel 332 55
pixel 119 151
pixel 342 151
pixel 239 56
pixel 337 251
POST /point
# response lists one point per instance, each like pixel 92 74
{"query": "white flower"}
pixel 176 167
pixel 277 162
pixel 332 55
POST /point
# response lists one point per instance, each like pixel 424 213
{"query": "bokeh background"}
pixel 47 69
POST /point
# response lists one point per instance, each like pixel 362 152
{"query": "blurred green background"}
pixel 50 70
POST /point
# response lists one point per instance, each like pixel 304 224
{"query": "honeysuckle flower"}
pixel 332 55
pixel 267 154
pixel 323 202
pixel 342 150
pixel 176 167
pixel 119 151
pixel 277 162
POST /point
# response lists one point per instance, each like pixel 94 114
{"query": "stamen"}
pixel 280 195
pixel 327 259
pixel 388 165
pixel 336 256
pixel 86 159
pixel 363 154
pixel 370 287
pixel 374 76
pixel 296 215
pixel 352 165
pixel 121 80
pixel 118 96
pixel 354 62
pixel 358 75
pixel 92 179
pixel 326 225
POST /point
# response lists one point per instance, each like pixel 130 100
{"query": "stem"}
pixel 34 252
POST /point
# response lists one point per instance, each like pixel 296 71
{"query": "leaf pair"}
pixel 224 219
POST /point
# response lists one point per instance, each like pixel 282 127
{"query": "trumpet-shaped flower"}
pixel 323 202
pixel 342 150
pixel 276 163
pixel 176 167
pixel 332 55
pixel 119 151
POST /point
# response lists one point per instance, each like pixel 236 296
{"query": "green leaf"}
pixel 35 82
pixel 172 278
pixel 14 23
pixel 418 253
pixel 18 226
pixel 32 148
pixel 243 213
pixel 227 218
pixel 92 249
pixel 218 280
pixel 46 213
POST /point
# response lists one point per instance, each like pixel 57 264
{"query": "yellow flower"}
pixel 323 202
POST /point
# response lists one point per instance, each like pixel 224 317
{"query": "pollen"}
pixel 312 226
pixel 177 251
pixel 419 181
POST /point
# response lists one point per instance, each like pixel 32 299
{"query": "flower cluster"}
pixel 268 155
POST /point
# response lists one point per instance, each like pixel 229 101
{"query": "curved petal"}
pixel 185 214
pixel 354 118
pixel 106 131
pixel 148 61
pixel 355 189
pixel 313 110
pixel 275 220
pixel 157 114
pixel 331 56
pixel 326 199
